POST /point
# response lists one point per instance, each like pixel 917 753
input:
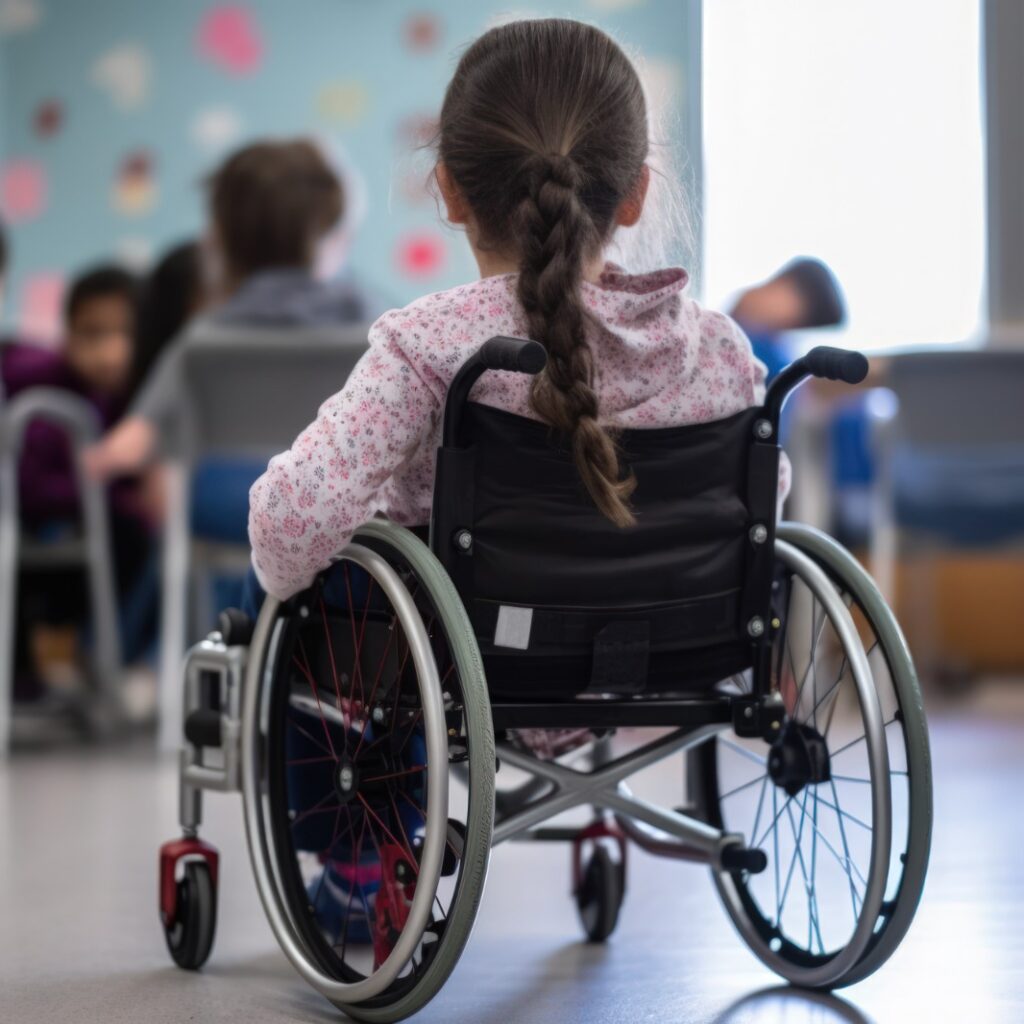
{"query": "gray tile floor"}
pixel 80 941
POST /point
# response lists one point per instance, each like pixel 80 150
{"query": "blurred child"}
pixel 171 295
pixel 803 294
pixel 94 364
pixel 270 205
pixel 3 264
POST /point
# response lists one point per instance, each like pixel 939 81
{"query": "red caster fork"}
pixel 188 903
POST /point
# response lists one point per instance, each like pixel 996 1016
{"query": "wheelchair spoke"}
pixel 859 739
pixel 775 840
pixel 376 817
pixel 848 865
pixel 746 785
pixel 775 820
pixel 357 668
pixel 797 855
pixel 742 750
pixel 846 814
pixel 317 808
pixel 330 653
pixel 316 693
pixel 312 739
pixel 357 853
pixel 866 782
pixel 760 806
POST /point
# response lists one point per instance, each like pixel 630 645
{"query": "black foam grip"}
pixel 202 728
pixel 515 354
pixel 837 364
pixel 236 628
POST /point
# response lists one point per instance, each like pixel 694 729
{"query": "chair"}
pixel 246 394
pixel 365 720
pixel 90 550
pixel 950 454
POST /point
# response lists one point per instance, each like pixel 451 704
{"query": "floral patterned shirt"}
pixel 660 360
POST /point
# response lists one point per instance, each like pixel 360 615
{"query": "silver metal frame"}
pixel 92 551
pixel 245 674
pixel 604 788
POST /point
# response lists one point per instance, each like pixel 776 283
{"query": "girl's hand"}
pixel 122 452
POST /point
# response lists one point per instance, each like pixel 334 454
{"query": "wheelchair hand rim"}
pixel 837 966
pixel 262 852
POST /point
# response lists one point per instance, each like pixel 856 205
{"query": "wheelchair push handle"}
pixel 837 364
pixel 515 354
pixel 499 353
pixel 823 361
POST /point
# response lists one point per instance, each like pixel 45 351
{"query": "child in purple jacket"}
pixel 95 362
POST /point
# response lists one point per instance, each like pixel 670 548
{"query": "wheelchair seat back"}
pixel 563 601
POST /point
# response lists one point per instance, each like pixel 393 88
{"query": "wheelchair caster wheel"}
pixel 188 905
pixel 600 894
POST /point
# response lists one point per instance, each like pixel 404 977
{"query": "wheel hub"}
pixel 798 758
pixel 346 780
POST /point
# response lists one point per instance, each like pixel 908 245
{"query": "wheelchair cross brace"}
pixel 605 788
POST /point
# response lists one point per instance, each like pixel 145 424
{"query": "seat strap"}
pixel 698 622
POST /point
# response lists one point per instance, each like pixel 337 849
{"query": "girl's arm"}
pixel 314 496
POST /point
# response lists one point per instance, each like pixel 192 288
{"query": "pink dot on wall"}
pixel 40 306
pixel 422 31
pixel 229 37
pixel 420 255
pixel 22 189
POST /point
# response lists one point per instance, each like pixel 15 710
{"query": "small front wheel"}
pixel 600 894
pixel 190 934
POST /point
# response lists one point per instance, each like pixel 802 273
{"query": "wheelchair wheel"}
pixel 190 937
pixel 599 898
pixel 362 696
pixel 840 802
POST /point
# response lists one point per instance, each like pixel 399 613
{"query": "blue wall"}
pixel 387 61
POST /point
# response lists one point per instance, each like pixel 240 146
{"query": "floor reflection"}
pixel 783 1003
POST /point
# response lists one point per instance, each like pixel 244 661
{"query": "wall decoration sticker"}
pixel 125 74
pixel 213 129
pixel 229 37
pixel 40 303
pixel 47 119
pixel 135 190
pixel 19 16
pixel 420 254
pixel 23 191
pixel 343 102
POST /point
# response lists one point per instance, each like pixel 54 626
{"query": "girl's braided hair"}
pixel 544 132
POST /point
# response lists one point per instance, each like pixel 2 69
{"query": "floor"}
pixel 80 941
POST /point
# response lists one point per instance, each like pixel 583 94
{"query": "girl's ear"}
pixel 455 205
pixel 632 206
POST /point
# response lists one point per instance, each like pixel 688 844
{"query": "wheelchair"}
pixel 367 721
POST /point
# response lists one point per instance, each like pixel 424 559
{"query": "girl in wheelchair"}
pixel 603 552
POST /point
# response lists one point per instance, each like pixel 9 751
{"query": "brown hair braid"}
pixel 544 131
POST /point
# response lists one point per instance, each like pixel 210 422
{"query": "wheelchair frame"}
pixel 227 717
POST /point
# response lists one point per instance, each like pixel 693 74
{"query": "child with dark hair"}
pixel 94 363
pixel 270 205
pixel 172 293
pixel 804 294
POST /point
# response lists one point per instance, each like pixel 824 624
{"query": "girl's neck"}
pixel 494 264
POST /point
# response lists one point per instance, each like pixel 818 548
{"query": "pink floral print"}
pixel 660 360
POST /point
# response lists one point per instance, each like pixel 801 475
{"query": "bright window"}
pixel 851 132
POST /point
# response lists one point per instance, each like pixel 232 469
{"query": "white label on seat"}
pixel 513 629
